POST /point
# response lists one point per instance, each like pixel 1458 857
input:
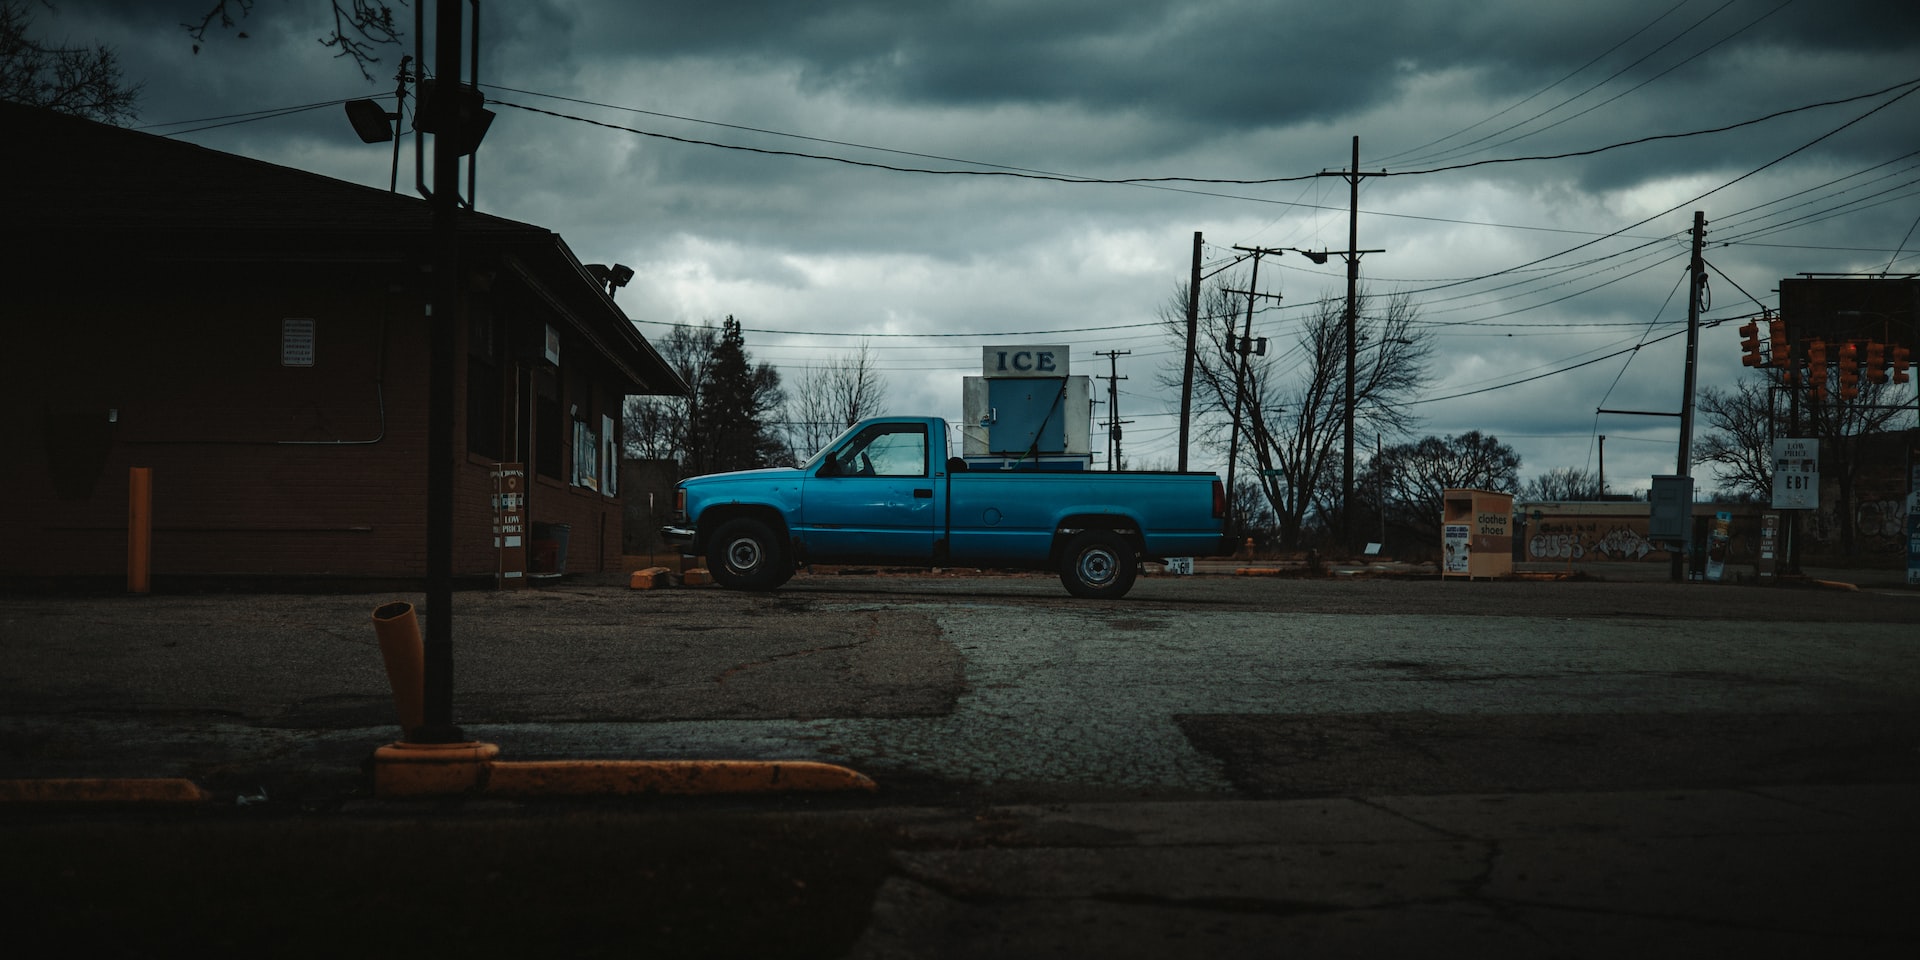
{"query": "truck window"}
pixel 885 450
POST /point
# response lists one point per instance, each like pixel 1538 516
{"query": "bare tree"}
pixel 1412 478
pixel 1563 483
pixel 833 396
pixel 1291 401
pixel 85 82
pixel 1759 409
pixel 1744 423
pixel 657 427
pixel 360 28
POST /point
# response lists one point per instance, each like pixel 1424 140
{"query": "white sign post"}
pixel 1796 474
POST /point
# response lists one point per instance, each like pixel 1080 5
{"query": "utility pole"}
pixel 1697 283
pixel 1352 254
pixel 1603 466
pixel 1245 347
pixel 1113 404
pixel 1193 332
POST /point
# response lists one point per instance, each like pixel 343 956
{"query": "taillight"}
pixel 1219 499
pixel 680 501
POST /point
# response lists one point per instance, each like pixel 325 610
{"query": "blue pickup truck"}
pixel 887 492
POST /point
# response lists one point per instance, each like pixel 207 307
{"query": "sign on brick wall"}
pixel 510 522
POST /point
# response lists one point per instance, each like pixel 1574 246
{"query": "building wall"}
pixel 259 468
pixel 1605 532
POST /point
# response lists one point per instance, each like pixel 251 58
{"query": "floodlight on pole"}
pixel 371 121
pixel 375 124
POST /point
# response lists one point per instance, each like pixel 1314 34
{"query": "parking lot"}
pixel 1175 749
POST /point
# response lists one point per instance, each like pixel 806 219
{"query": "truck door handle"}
pixel 923 493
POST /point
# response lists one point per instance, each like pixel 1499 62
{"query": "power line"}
pixel 1529 97
pixel 1550 373
pixel 844 333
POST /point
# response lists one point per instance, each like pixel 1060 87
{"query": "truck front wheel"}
pixel 745 554
pixel 1098 565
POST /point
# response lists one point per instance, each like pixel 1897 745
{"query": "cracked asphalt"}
pixel 1215 766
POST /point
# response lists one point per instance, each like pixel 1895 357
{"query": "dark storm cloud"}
pixel 1199 88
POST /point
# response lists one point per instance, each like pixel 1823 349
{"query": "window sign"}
pixel 586 457
pixel 296 342
pixel 609 459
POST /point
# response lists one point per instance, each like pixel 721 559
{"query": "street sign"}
pixel 1796 474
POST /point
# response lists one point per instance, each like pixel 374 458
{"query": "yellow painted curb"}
pixel 625 777
pixel 697 577
pixel 1256 571
pixel 90 790
pixel 450 769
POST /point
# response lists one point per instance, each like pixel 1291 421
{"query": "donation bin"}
pixel 1476 534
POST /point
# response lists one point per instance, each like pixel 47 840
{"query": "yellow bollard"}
pixel 399 633
pixel 139 528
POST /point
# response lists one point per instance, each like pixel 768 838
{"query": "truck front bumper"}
pixel 677 535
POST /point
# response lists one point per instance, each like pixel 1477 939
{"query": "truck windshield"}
pixel 809 463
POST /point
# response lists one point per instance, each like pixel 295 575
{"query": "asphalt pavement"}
pixel 1519 769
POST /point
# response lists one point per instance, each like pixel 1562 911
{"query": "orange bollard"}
pixel 139 528
pixel 398 631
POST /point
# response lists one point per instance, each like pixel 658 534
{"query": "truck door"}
pixel 871 499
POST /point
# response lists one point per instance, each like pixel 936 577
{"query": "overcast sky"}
pixel 1577 258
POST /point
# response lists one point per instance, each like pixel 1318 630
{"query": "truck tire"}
pixel 745 554
pixel 1098 565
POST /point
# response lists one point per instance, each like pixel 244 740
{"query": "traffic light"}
pixel 1750 344
pixel 1876 365
pixel 1900 354
pixel 1849 371
pixel 1782 350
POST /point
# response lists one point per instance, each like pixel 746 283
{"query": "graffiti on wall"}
pixel 1589 540
pixel 1881 518
pixel 1879 527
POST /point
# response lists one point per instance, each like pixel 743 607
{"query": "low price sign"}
pixel 1796 474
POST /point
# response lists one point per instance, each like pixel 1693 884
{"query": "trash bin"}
pixel 550 548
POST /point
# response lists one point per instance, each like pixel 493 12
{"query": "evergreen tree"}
pixel 729 430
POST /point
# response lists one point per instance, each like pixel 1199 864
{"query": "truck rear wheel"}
pixel 745 554
pixel 1098 565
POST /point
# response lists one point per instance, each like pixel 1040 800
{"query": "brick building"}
pixel 255 335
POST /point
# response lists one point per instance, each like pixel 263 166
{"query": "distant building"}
pixel 256 336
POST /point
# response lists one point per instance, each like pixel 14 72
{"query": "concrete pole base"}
pixel 431 769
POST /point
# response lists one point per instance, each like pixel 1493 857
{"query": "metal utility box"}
pixel 1476 534
pixel 1670 515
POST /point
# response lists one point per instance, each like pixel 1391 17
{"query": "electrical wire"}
pixel 1530 97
